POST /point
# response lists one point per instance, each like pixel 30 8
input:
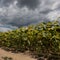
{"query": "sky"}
pixel 17 13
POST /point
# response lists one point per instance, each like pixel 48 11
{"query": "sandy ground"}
pixel 15 56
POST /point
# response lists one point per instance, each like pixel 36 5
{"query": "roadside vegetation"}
pixel 42 39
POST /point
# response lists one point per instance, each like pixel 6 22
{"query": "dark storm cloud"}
pixel 46 11
pixel 6 2
pixel 31 4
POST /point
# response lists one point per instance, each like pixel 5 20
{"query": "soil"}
pixel 15 56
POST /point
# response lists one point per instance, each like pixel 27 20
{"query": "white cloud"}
pixel 53 15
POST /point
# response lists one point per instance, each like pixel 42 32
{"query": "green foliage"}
pixel 42 38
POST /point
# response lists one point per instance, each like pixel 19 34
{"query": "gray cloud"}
pixel 4 28
pixel 25 12
pixel 31 4
pixel 5 3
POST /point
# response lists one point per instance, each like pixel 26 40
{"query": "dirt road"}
pixel 15 56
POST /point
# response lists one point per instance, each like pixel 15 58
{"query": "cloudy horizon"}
pixel 24 12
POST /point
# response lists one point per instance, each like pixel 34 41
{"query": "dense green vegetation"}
pixel 41 38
